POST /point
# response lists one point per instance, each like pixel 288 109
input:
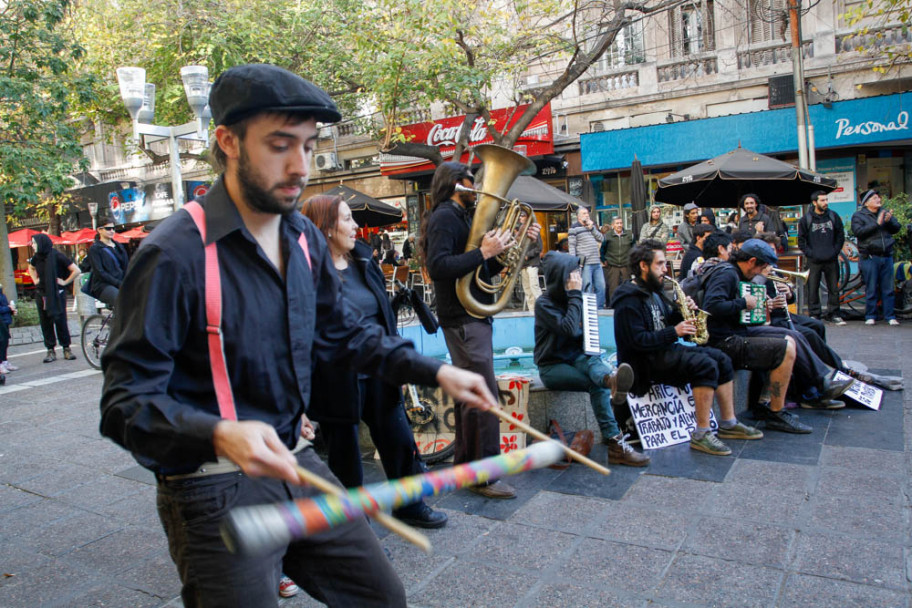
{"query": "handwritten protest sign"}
pixel 865 394
pixel 665 416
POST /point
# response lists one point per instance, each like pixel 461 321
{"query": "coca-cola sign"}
pixel 537 139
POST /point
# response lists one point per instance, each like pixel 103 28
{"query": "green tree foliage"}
pixel 39 138
pixel 163 35
pixel 882 31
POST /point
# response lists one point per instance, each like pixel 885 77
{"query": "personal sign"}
pixel 665 416
pixel 865 394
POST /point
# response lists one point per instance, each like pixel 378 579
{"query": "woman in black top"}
pixel 340 397
pixel 51 271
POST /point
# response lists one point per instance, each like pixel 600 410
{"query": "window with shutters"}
pixel 767 21
pixel 691 29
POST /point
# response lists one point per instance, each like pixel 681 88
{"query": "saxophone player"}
pixel 646 330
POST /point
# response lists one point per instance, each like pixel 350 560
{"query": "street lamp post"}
pixel 93 210
pixel 139 97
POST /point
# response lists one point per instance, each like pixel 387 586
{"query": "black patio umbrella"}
pixel 367 211
pixel 721 181
pixel 541 196
pixel 637 196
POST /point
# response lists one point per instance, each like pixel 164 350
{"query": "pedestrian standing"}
pixel 874 228
pixel 108 260
pixel 821 237
pixel 584 242
pixel 7 310
pixel 685 228
pixel 281 310
pixel 615 256
pixel 530 283
pixel 655 228
pixel 51 271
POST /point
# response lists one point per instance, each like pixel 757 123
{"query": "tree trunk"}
pixel 7 278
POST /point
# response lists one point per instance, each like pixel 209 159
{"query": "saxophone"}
pixel 698 316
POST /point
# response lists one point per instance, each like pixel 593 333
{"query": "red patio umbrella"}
pixel 79 237
pixel 134 233
pixel 23 238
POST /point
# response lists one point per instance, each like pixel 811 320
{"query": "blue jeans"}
pixel 877 272
pixel 594 278
pixel 585 374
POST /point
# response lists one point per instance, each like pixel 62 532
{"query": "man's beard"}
pixel 654 283
pixel 258 197
pixel 466 199
pixel 821 208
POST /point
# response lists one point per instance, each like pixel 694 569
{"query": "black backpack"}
pixel 694 285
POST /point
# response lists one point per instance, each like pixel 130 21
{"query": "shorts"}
pixel 699 366
pixel 754 353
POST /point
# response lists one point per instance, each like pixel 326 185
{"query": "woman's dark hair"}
pixel 443 187
pixel 644 251
pixel 323 211
pixel 746 196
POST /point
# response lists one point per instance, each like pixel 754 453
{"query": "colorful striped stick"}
pixel 260 529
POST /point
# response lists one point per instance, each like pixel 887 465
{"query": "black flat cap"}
pixel 245 90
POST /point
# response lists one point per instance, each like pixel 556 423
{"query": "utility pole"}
pixel 798 79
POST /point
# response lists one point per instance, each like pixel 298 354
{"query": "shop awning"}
pixel 541 196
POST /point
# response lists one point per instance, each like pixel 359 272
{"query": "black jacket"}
pixel 873 238
pixel 533 254
pixel 644 326
pixel 821 237
pixel 159 400
pixel 558 313
pixel 109 264
pixel 447 260
pixel 335 389
pixel 722 300
pixel 690 256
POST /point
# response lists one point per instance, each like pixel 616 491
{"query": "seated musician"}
pixel 646 330
pixel 814 330
pixel 564 366
pixel 763 347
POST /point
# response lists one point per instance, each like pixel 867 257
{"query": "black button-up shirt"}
pixel 158 399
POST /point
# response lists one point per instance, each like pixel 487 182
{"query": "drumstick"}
pixel 387 521
pixel 539 435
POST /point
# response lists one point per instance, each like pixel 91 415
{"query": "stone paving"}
pixel 805 521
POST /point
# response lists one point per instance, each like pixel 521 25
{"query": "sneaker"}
pixel 869 322
pixel 421 516
pixel 838 321
pixel 783 421
pixel 621 452
pixel 739 431
pixel 833 388
pixel 619 383
pixel 498 489
pixel 4 369
pixel 68 354
pixel 893 322
pixel 51 356
pixel 822 404
pixel 287 587
pixel 709 444
pixel 11 367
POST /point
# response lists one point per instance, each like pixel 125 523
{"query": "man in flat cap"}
pixel 220 421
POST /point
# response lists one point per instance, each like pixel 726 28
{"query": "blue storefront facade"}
pixel 860 142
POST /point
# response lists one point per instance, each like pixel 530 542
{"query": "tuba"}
pixel 492 212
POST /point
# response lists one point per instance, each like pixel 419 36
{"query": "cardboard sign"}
pixel 864 394
pixel 665 416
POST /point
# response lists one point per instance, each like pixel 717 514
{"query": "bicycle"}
pixel 95 333
pixel 429 420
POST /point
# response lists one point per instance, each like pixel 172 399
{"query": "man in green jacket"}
pixel 615 254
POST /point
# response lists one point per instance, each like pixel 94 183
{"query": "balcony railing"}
pixel 758 56
pixel 687 67
pixel 606 83
pixel 873 39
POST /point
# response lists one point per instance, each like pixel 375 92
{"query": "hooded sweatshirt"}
pixel 558 313
pixel 644 325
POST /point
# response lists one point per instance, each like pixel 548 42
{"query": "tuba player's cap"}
pixel 246 90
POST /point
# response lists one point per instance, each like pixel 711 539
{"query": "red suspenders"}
pixel 213 289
